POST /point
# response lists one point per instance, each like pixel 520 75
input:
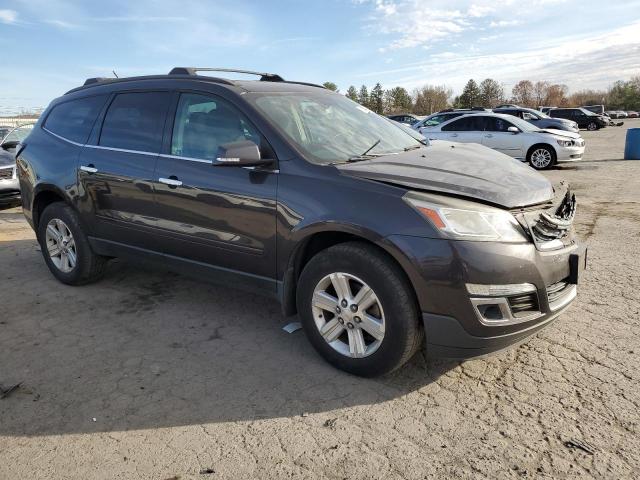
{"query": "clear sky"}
pixel 50 46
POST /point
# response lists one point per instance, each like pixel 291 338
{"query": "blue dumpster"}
pixel 632 145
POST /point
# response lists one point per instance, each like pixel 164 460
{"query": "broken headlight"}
pixel 483 223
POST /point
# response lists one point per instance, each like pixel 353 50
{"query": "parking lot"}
pixel 147 374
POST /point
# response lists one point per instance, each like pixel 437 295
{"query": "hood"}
pixel 7 157
pixel 561 133
pixel 464 169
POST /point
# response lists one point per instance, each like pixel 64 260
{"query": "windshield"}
pixel 538 113
pixel 521 124
pixel 18 134
pixel 330 128
pixel 587 112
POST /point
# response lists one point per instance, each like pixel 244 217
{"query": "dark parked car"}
pixel 375 239
pixel 9 187
pixel 444 115
pixel 539 119
pixel 584 118
pixel 405 118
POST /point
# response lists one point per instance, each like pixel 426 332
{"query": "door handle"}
pixel 89 168
pixel 454 134
pixel 172 182
pixel 488 135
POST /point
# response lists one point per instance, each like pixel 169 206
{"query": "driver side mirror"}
pixel 240 154
pixel 513 130
pixel 10 144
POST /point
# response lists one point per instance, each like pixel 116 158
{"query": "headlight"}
pixel 565 143
pixel 481 224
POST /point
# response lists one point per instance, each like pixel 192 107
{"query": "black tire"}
pixel 537 165
pixel 89 267
pixel 403 334
pixel 592 126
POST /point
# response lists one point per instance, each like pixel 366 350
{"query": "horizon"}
pixel 403 43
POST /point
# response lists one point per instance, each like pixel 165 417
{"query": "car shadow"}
pixel 146 349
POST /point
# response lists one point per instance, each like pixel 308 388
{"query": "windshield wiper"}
pixel 370 148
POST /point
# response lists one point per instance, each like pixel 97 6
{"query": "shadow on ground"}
pixel 144 349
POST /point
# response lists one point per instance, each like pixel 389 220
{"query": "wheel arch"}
pixel 316 240
pixel 44 195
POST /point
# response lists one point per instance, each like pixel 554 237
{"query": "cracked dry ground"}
pixel 181 377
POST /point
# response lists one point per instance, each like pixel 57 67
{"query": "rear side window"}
pixel 471 123
pixel 134 121
pixel 73 120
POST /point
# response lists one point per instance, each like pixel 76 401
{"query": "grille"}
pixel 556 291
pixel 6 173
pixel 524 304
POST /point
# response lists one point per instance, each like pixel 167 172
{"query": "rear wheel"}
pixel 358 309
pixel 592 126
pixel 65 247
pixel 541 157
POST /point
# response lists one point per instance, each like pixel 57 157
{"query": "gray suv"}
pixel 539 119
pixel 379 242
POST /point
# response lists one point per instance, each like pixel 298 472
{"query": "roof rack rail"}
pixel 91 81
pixel 264 77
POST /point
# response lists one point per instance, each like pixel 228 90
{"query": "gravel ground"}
pixel 150 375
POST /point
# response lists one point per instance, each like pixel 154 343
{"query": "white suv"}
pixel 511 136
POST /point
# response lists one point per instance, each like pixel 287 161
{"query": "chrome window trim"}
pixel 190 159
pixel 63 138
pixel 123 150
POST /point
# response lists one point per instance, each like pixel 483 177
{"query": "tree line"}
pixel 489 93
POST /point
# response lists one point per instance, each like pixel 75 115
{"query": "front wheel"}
pixel 592 126
pixel 358 309
pixel 541 157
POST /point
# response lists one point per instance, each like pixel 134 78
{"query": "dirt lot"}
pixel 150 375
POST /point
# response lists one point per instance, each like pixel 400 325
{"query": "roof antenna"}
pixel 115 74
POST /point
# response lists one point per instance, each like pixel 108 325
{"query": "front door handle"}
pixel 454 134
pixel 488 135
pixel 172 182
pixel 89 168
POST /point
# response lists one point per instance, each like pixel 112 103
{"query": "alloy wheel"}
pixel 592 126
pixel 348 315
pixel 61 246
pixel 541 158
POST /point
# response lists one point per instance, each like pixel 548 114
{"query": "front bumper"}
pixel 441 270
pixel 9 191
pixel 569 154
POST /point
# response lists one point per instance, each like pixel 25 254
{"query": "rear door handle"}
pixel 488 135
pixel 172 182
pixel 89 168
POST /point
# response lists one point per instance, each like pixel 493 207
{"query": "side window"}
pixel 462 125
pixel 73 120
pixel 203 123
pixel 134 121
pixel 529 116
pixel 494 124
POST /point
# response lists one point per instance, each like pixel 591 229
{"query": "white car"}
pixel 511 136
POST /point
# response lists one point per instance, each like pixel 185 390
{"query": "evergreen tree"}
pixel 470 95
pixel 491 93
pixel 376 99
pixel 363 96
pixel 352 93
pixel 330 86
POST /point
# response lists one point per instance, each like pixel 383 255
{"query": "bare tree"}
pixel 430 98
pixel 540 89
pixel 522 93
